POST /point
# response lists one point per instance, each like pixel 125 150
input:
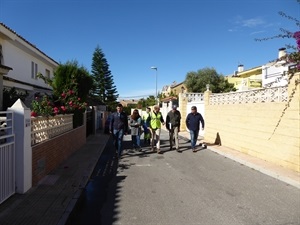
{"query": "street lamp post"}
pixel 155 68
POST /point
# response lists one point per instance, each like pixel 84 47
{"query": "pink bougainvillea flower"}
pixel 71 92
pixel 297 35
pixel 78 99
pixel 63 95
pixel 63 108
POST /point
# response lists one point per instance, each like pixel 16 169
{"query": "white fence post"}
pixel 23 148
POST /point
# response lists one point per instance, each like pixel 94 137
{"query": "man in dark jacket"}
pixel 192 121
pixel 173 126
pixel 118 127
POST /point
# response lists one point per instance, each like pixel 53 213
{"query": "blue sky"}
pixel 176 36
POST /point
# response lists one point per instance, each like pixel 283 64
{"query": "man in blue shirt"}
pixel 192 121
pixel 119 127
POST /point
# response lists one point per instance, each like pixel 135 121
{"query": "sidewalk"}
pixel 288 176
pixel 53 199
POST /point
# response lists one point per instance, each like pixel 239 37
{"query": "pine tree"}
pixel 104 91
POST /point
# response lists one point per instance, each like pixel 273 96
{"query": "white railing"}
pixel 275 94
pixel 7 156
pixel 43 128
pixel 194 97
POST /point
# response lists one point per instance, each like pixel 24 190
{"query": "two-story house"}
pixel 20 62
pixel 246 79
pixel 173 90
pixel 271 74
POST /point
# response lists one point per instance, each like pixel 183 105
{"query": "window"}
pixel 34 70
pixel 47 73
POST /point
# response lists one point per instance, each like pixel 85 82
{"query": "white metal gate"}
pixel 196 99
pixel 7 156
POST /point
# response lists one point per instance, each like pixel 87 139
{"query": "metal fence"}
pixel 7 156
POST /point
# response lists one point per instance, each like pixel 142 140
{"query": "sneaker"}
pixel 194 150
pixel 158 151
pixel 178 150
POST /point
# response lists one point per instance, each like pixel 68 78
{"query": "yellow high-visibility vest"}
pixel 155 121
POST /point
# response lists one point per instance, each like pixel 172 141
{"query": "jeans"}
pixel 194 137
pixel 136 141
pixel 118 140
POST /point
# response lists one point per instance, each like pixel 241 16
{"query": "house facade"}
pixel 174 89
pixel 274 74
pixel 129 102
pixel 20 62
pixel 246 79
pixel 271 74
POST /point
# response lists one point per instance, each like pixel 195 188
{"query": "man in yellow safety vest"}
pixel 155 121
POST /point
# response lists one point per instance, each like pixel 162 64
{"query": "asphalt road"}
pixel 146 188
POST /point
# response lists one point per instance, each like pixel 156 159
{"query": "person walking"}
pixel 173 126
pixel 147 134
pixel 193 121
pixel 119 127
pixel 155 121
pixel 135 125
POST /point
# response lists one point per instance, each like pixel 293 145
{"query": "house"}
pixel 246 79
pixel 132 103
pixel 170 96
pixel 274 73
pixel 173 89
pixel 20 62
pixel 271 74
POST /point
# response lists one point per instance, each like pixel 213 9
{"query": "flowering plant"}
pixel 42 106
pixel 67 102
pixel 70 101
pixel 295 56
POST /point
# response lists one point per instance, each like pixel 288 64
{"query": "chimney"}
pixel 240 68
pixel 281 53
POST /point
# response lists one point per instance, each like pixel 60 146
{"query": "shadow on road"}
pixel 98 203
pixel 102 189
